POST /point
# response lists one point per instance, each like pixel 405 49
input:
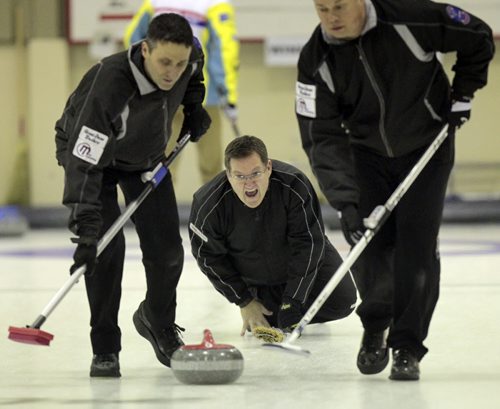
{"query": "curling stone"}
pixel 207 363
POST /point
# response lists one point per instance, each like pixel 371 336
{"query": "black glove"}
pixel 289 315
pixel 196 120
pixel 85 253
pixel 460 111
pixel 351 223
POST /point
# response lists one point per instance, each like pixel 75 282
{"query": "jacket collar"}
pixel 138 71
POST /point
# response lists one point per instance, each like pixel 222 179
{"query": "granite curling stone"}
pixel 207 363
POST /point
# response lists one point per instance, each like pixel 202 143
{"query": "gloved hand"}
pixel 85 253
pixel 196 120
pixel 460 111
pixel 351 223
pixel 289 315
pixel 231 112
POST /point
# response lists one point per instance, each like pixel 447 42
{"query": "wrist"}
pixel 458 96
pixel 460 106
pixel 245 302
pixel 289 302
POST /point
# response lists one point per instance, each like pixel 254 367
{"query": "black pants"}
pixel 339 305
pixel 157 225
pixel 398 273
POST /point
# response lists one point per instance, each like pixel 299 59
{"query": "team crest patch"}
pixel 458 15
pixel 305 99
pixel 90 145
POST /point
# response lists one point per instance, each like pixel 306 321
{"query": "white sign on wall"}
pixel 88 18
pixel 283 51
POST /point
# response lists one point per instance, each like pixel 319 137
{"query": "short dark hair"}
pixel 243 147
pixel 169 27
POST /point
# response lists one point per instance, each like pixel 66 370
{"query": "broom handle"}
pixel 373 223
pixel 152 179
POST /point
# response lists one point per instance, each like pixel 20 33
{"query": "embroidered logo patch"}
pixel 90 145
pixel 458 15
pixel 305 99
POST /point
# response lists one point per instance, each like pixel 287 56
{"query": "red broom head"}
pixel 27 335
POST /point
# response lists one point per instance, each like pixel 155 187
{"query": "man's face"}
pixel 165 63
pixel 341 19
pixel 249 178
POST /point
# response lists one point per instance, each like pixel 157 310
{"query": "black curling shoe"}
pixel 373 355
pixel 404 366
pixel 105 365
pixel 165 341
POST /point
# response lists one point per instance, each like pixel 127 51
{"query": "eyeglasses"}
pixel 251 177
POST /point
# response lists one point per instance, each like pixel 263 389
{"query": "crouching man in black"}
pixel 257 233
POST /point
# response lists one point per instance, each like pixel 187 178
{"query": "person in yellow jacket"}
pixel 213 23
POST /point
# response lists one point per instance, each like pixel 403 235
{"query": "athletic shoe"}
pixel 165 341
pixel 404 366
pixel 105 365
pixel 373 354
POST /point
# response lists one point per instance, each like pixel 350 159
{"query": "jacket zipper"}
pixel 380 97
pixel 165 121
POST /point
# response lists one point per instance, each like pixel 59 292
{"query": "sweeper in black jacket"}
pixel 115 127
pixel 371 96
pixel 257 233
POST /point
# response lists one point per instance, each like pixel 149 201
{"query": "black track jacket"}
pixel 117 118
pixel 384 91
pixel 281 241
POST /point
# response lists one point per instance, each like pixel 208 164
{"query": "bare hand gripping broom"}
pixel 373 223
pixel 32 334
